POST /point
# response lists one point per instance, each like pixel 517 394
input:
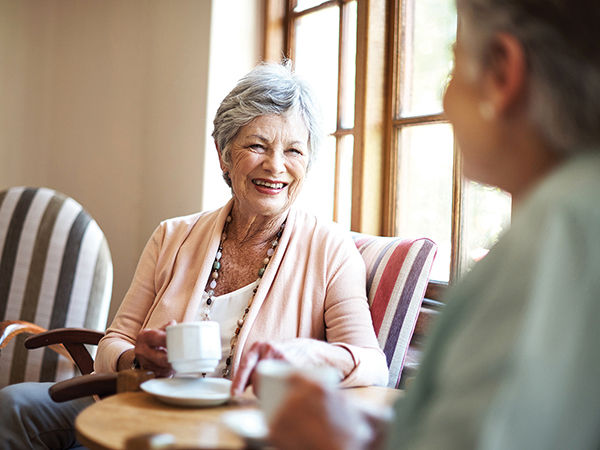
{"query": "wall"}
pixel 108 102
pixel 230 59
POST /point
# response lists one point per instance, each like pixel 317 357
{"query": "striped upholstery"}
pixel 397 276
pixel 55 271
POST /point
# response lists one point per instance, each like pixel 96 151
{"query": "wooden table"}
pixel 109 423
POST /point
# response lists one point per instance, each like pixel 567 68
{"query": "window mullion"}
pixel 340 105
pixel 290 38
pixel 392 110
pixel 369 151
pixel 457 214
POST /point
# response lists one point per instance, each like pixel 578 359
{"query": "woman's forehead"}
pixel 290 126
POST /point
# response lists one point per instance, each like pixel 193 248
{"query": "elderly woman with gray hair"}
pixel 513 362
pixel 281 283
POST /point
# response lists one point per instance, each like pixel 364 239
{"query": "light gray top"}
pixel 513 362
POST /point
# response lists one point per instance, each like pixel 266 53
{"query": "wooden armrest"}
pixel 64 336
pixel 11 328
pixel 101 384
pixel 73 340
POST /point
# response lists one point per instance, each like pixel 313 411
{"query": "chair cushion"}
pixel 55 271
pixel 397 276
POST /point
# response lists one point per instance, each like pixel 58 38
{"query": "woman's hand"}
pixel 319 418
pixel 245 373
pixel 299 352
pixel 151 350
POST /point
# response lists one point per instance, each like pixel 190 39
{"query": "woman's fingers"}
pixel 170 322
pixel 153 338
pixel 151 351
pixel 244 374
pixel 245 368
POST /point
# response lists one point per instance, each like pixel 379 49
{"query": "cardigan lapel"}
pixel 193 305
pixel 265 284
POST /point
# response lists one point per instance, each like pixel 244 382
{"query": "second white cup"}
pixel 194 347
pixel 273 384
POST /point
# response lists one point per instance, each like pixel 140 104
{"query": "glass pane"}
pixel 316 55
pixel 344 193
pixel 424 189
pixel 486 214
pixel 318 191
pixel 429 32
pixel 349 65
pixel 301 5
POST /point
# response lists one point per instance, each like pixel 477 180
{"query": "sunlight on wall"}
pixel 234 50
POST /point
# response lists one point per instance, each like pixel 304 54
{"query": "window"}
pixel 322 44
pixel 430 195
pixel 380 68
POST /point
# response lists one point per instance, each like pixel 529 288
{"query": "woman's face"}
pixel 269 157
pixel 463 102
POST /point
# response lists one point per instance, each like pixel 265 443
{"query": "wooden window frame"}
pixel 376 120
pixel 279 41
pixel 435 289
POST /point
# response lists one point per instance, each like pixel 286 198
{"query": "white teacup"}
pixel 273 384
pixel 194 347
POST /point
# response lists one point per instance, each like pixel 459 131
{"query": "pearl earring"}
pixel 487 111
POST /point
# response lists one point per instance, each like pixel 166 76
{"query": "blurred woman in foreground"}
pixel 513 362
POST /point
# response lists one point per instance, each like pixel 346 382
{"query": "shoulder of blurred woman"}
pixel 574 185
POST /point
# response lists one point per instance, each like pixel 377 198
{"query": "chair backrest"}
pixel 397 276
pixel 55 271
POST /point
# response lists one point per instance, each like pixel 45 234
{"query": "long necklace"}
pixel 212 284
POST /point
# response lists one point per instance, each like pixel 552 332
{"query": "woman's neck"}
pixel 535 163
pixel 247 228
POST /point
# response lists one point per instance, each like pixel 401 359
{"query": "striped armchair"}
pixel 55 272
pixel 397 276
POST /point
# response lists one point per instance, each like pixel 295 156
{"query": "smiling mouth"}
pixel 268 184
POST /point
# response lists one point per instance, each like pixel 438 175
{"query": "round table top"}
pixel 109 423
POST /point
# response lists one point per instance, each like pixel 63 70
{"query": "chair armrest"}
pixel 10 329
pixel 64 336
pixel 101 384
pixel 74 341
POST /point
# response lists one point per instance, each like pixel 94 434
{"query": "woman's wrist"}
pixel 126 360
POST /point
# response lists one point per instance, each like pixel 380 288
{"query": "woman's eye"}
pixel 257 147
pixel 295 150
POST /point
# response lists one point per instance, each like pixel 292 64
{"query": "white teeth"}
pixel 269 185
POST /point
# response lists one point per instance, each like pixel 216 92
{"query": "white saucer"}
pixel 249 424
pixel 189 391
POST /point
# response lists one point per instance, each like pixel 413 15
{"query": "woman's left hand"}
pixel 299 352
pixel 245 373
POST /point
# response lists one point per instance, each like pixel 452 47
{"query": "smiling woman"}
pixel 281 283
pixel 269 158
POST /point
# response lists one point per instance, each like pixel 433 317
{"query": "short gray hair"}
pixel 268 89
pixel 561 40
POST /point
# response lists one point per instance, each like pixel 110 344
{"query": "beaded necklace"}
pixel 212 284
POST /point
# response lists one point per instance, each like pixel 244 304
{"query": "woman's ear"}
pixel 224 167
pixel 506 68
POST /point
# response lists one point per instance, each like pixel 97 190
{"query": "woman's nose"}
pixel 274 162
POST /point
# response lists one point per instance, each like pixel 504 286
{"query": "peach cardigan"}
pixel 314 287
